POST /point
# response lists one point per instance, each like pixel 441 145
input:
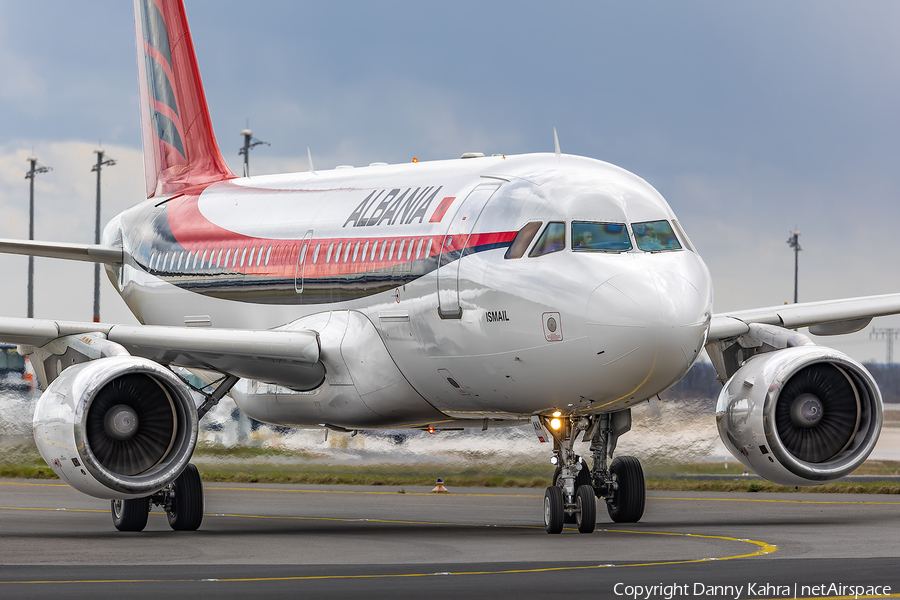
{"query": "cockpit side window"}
pixel 552 240
pixel 523 240
pixel 655 236
pixel 600 237
pixel 683 236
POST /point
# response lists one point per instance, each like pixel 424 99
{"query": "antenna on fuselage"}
pixel 309 156
pixel 556 142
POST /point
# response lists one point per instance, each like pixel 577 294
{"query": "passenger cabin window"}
pixel 268 252
pixel 523 240
pixel 552 240
pixel 600 237
pixel 655 236
pixel 316 254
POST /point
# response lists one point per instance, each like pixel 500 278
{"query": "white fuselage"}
pixel 475 334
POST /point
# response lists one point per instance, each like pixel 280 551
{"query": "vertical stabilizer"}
pixel 180 149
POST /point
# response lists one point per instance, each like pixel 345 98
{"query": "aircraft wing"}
pixel 826 317
pixel 287 357
pixel 84 252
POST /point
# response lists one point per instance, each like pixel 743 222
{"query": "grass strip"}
pixel 485 480
pixel 840 487
pixel 375 479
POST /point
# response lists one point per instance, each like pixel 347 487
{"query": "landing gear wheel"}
pixel 186 508
pixel 583 478
pixel 553 509
pixel 627 505
pixel 130 515
pixel 586 503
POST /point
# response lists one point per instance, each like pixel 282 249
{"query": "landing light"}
pixel 553 460
pixel 555 423
pixel 557 413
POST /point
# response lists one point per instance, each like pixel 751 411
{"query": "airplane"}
pixel 541 290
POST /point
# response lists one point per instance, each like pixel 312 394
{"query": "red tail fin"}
pixel 180 149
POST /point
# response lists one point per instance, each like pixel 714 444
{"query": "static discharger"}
pixel 439 487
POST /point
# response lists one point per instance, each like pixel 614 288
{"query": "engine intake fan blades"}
pixel 818 413
pixel 131 424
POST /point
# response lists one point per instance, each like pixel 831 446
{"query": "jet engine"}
pixel 800 416
pixel 116 427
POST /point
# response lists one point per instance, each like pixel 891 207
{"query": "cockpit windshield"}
pixel 655 236
pixel 600 237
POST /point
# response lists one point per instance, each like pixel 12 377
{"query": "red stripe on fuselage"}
pixel 196 234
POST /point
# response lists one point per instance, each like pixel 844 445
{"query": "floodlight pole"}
pixel 888 334
pixel 794 242
pixel 35 169
pixel 250 142
pixel 98 168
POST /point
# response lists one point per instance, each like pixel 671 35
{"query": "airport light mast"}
pixel 101 162
pixel 250 142
pixel 794 242
pixel 35 169
pixel 888 334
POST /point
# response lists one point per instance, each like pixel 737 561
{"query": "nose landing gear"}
pixel 571 498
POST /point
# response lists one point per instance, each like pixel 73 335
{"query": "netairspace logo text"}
pixel 748 590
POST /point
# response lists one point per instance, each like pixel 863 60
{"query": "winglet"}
pixel 180 148
pixel 556 142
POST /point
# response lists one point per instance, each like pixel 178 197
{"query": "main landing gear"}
pixel 182 500
pixel 572 497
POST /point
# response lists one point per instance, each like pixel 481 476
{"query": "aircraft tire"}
pixel 583 478
pixel 554 509
pixel 586 502
pixel 130 515
pixel 187 510
pixel 627 505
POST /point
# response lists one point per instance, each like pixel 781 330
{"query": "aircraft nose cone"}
pixel 646 298
pixel 648 320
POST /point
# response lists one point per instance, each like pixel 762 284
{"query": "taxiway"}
pixel 331 540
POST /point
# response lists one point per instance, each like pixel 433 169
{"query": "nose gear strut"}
pixel 571 498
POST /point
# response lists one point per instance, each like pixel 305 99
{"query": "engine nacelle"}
pixel 800 416
pixel 117 427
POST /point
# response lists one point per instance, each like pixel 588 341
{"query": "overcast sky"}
pixel 750 118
